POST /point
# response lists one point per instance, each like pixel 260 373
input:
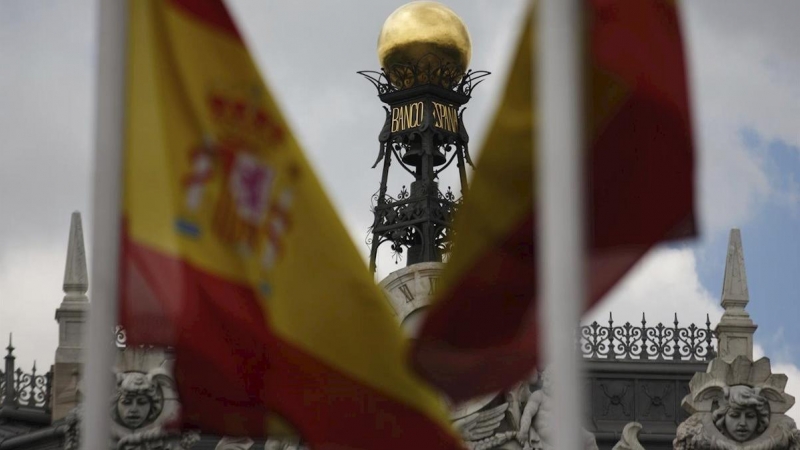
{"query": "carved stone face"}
pixel 138 401
pixel 744 413
pixel 133 410
pixel 741 423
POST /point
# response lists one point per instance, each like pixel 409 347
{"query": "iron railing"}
pixel 642 342
pixel 23 389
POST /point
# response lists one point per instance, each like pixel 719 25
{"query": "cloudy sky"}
pixel 745 81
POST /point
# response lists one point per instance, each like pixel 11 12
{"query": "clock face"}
pixel 411 289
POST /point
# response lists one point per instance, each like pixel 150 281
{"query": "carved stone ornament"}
pixel 739 405
pixel 630 438
pixel 480 430
pixel 514 420
pixel 143 402
pixel 536 427
pixel 491 421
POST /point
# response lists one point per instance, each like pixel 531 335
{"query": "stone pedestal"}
pixel 68 362
pixel 735 339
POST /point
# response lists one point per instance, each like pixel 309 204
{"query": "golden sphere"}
pixel 421 28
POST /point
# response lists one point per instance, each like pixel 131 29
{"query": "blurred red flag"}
pixel 481 334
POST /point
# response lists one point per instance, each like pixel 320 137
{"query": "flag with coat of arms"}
pixel 232 255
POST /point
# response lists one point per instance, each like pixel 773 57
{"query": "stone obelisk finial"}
pixel 71 318
pixel 76 278
pixel 735 329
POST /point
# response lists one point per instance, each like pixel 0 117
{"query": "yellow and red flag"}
pixel 233 256
pixel 481 335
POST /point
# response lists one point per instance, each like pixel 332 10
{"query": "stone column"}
pixel 735 329
pixel 71 318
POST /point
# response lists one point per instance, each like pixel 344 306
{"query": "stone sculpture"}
pixel 743 415
pixel 536 422
pixel 138 401
pixel 480 429
pixel 630 438
pixel 143 402
pixel 516 419
pixel 739 405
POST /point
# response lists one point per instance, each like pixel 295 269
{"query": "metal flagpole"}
pixel 561 207
pixel 109 136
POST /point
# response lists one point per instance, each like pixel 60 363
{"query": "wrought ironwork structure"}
pixel 21 389
pixel 429 70
pixel 640 373
pixel 424 132
pixel 642 342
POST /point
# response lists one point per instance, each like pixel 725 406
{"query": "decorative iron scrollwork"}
pixel 428 70
pixel 19 388
pixel 397 219
pixel 424 133
pixel 32 389
pixel 659 342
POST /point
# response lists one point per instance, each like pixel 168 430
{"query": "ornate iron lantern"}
pixel 424 131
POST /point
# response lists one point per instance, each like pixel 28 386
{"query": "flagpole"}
pixel 109 135
pixel 561 207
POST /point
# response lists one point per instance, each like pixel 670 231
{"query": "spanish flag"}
pixel 481 335
pixel 232 254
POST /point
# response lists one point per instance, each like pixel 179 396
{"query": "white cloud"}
pixel 746 64
pixel 744 75
pixel 780 365
pixel 664 283
pixel 792 386
pixel 758 351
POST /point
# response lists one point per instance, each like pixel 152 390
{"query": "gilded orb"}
pixel 423 28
